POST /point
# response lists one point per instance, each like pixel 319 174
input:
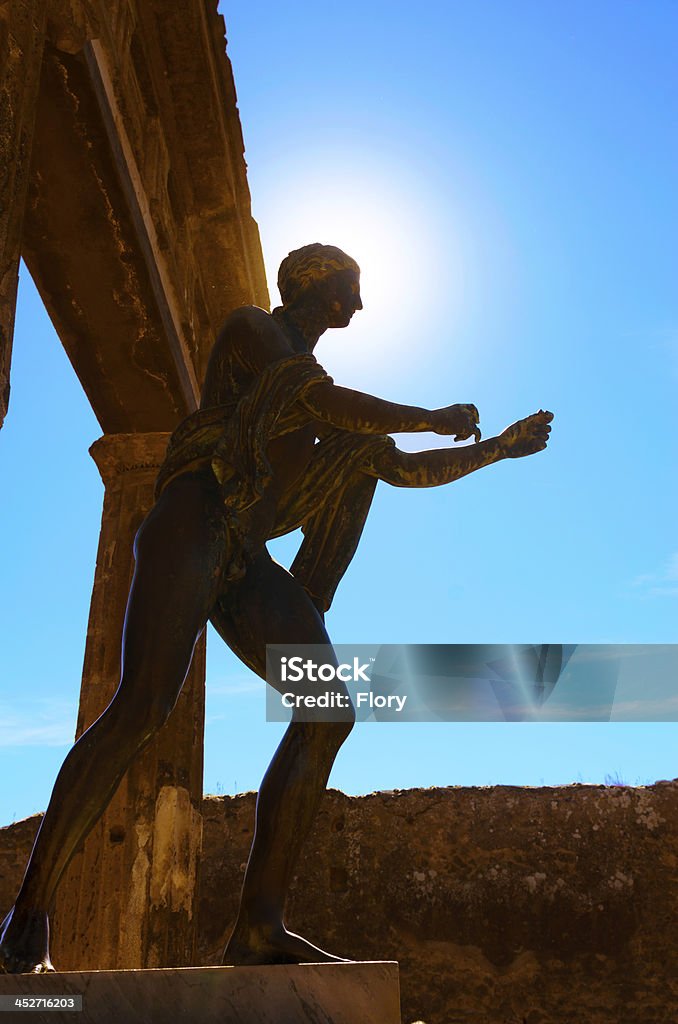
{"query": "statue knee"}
pixel 335 733
pixel 326 737
pixel 142 718
pixel 158 711
pixel 344 729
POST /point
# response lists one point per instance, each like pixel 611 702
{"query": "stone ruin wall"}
pixel 503 905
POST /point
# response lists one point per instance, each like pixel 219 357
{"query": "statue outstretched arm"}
pixel 443 465
pixel 365 414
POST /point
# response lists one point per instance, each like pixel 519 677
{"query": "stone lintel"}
pixel 81 246
pixel 140 261
pixel 102 76
pixel 351 993
pixel 22 37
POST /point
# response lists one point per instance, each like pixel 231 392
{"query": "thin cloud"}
pixel 38 722
pixel 50 721
pixel 234 686
pixel 663 583
pixel 657 710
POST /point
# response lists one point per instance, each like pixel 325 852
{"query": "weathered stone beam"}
pixel 22 37
pixel 203 127
pixel 138 230
pixel 171 83
pixel 82 248
pixel 102 75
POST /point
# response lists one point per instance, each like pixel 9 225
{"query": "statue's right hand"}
pixel 460 420
pixel 526 436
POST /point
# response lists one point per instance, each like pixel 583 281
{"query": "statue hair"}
pixel 302 267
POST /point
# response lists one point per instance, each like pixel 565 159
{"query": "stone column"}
pixel 22 38
pixel 129 899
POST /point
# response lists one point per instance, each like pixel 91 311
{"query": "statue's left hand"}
pixel 527 436
pixel 460 420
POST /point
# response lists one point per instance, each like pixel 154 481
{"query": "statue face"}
pixel 341 291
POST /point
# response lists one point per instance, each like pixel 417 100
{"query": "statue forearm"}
pixel 437 466
pixel 365 414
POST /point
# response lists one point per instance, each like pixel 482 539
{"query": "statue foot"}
pixel 24 943
pixel 274 946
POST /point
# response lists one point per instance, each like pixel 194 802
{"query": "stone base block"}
pixel 354 993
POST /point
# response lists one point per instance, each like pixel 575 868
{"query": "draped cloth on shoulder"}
pixel 233 438
pixel 331 499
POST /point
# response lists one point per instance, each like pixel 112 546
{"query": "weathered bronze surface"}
pixel 244 468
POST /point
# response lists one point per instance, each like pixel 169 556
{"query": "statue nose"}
pixel 358 302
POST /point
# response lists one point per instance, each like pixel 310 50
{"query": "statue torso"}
pixel 250 340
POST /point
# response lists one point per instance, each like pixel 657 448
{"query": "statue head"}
pixel 325 273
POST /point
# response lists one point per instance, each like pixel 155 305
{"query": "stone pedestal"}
pixel 129 898
pixel 354 993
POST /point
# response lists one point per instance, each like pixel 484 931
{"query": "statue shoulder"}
pixel 248 323
pixel 244 324
pixel 253 337
pixel 248 315
pixel 249 341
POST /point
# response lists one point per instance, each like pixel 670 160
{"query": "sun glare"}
pixel 368 227
pixel 392 239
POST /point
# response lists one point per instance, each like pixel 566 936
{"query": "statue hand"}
pixel 460 420
pixel 526 436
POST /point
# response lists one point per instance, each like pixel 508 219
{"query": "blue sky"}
pixel 504 174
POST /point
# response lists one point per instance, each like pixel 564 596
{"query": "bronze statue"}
pixel 243 469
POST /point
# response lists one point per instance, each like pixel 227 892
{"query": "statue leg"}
pixel 178 558
pixel 270 606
